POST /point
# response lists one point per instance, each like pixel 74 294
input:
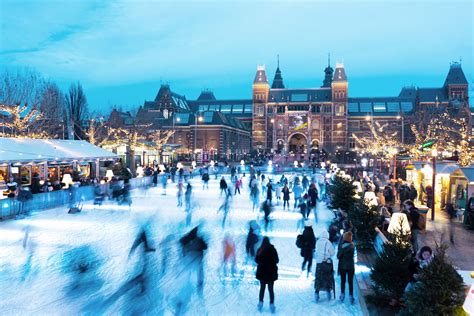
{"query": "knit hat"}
pixel 347 237
pixel 308 223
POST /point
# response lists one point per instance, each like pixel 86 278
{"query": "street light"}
pixel 434 154
pixel 403 127
pixel 273 133
pixel 196 118
pixel 178 119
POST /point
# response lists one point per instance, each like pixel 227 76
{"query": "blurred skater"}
pixel 193 247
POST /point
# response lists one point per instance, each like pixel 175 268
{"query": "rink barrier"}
pixel 10 208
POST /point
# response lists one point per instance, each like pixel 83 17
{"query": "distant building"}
pixel 298 122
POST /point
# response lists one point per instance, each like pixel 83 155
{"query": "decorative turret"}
pixel 260 76
pixel 278 80
pixel 456 83
pixel 260 93
pixel 328 72
pixel 340 74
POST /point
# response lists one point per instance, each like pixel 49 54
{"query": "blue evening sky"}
pixel 122 50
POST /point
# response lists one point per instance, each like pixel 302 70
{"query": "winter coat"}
pixel 286 193
pixel 223 184
pixel 193 245
pixel 313 195
pixel 252 240
pixel 345 254
pixel 309 242
pixel 267 269
pixel 269 191
pixel 324 248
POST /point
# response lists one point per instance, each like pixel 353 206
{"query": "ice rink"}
pixel 35 280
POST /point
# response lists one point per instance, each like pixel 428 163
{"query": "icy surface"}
pixel 35 280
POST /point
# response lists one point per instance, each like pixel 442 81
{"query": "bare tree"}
pixel 21 87
pixel 76 109
pixel 53 111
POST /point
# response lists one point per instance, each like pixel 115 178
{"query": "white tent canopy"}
pixel 36 150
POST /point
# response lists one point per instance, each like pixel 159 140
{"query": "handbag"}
pixel 326 264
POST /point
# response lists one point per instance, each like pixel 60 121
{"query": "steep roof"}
pixel 261 75
pixel 206 96
pixel 455 75
pixel 339 73
pixel 408 92
pixel 432 94
pixel 208 118
pixel 166 98
pixel 278 80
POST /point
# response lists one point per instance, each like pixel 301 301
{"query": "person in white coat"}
pixel 324 265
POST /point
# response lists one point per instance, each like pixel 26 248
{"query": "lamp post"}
pixel 400 117
pixel 434 153
pixel 394 153
pixel 273 133
pixel 174 132
pixel 196 119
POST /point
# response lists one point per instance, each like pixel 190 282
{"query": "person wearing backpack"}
pixel 415 219
pixel 307 247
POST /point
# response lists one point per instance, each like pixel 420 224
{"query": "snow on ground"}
pixel 34 282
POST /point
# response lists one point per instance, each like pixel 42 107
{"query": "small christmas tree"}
pixel 364 219
pixel 342 193
pixel 439 291
pixel 390 273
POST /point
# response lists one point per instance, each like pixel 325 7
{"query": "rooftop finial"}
pixel 278 61
pixel 329 59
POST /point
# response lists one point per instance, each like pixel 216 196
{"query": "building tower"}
pixel 339 91
pixel 278 80
pixel 328 72
pixel 260 120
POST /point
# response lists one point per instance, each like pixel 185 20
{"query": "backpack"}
pixel 299 241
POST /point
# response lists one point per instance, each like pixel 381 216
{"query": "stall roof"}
pixel 447 168
pixel 468 173
pixel 27 150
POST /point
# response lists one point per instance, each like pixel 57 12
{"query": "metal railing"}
pixel 10 208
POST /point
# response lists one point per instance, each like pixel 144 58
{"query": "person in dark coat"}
pixel 388 195
pixel 223 185
pixel 313 197
pixel 269 192
pixel 413 193
pixel 346 267
pixel 267 271
pixel 193 247
pixel 252 240
pixel 286 196
pixel 307 249
pixel 35 183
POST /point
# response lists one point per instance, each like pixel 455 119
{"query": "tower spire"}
pixel 329 59
pixel 278 61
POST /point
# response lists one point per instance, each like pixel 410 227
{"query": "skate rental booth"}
pixel 51 159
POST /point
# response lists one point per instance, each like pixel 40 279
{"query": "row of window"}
pixel 377 107
pixel 227 108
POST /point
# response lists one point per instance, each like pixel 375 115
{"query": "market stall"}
pixel 47 160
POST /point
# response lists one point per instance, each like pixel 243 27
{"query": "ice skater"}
pixel 193 248
pixel 188 207
pixel 180 192
pixel 225 207
pixel 267 271
pixel 252 241
pixel 229 256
